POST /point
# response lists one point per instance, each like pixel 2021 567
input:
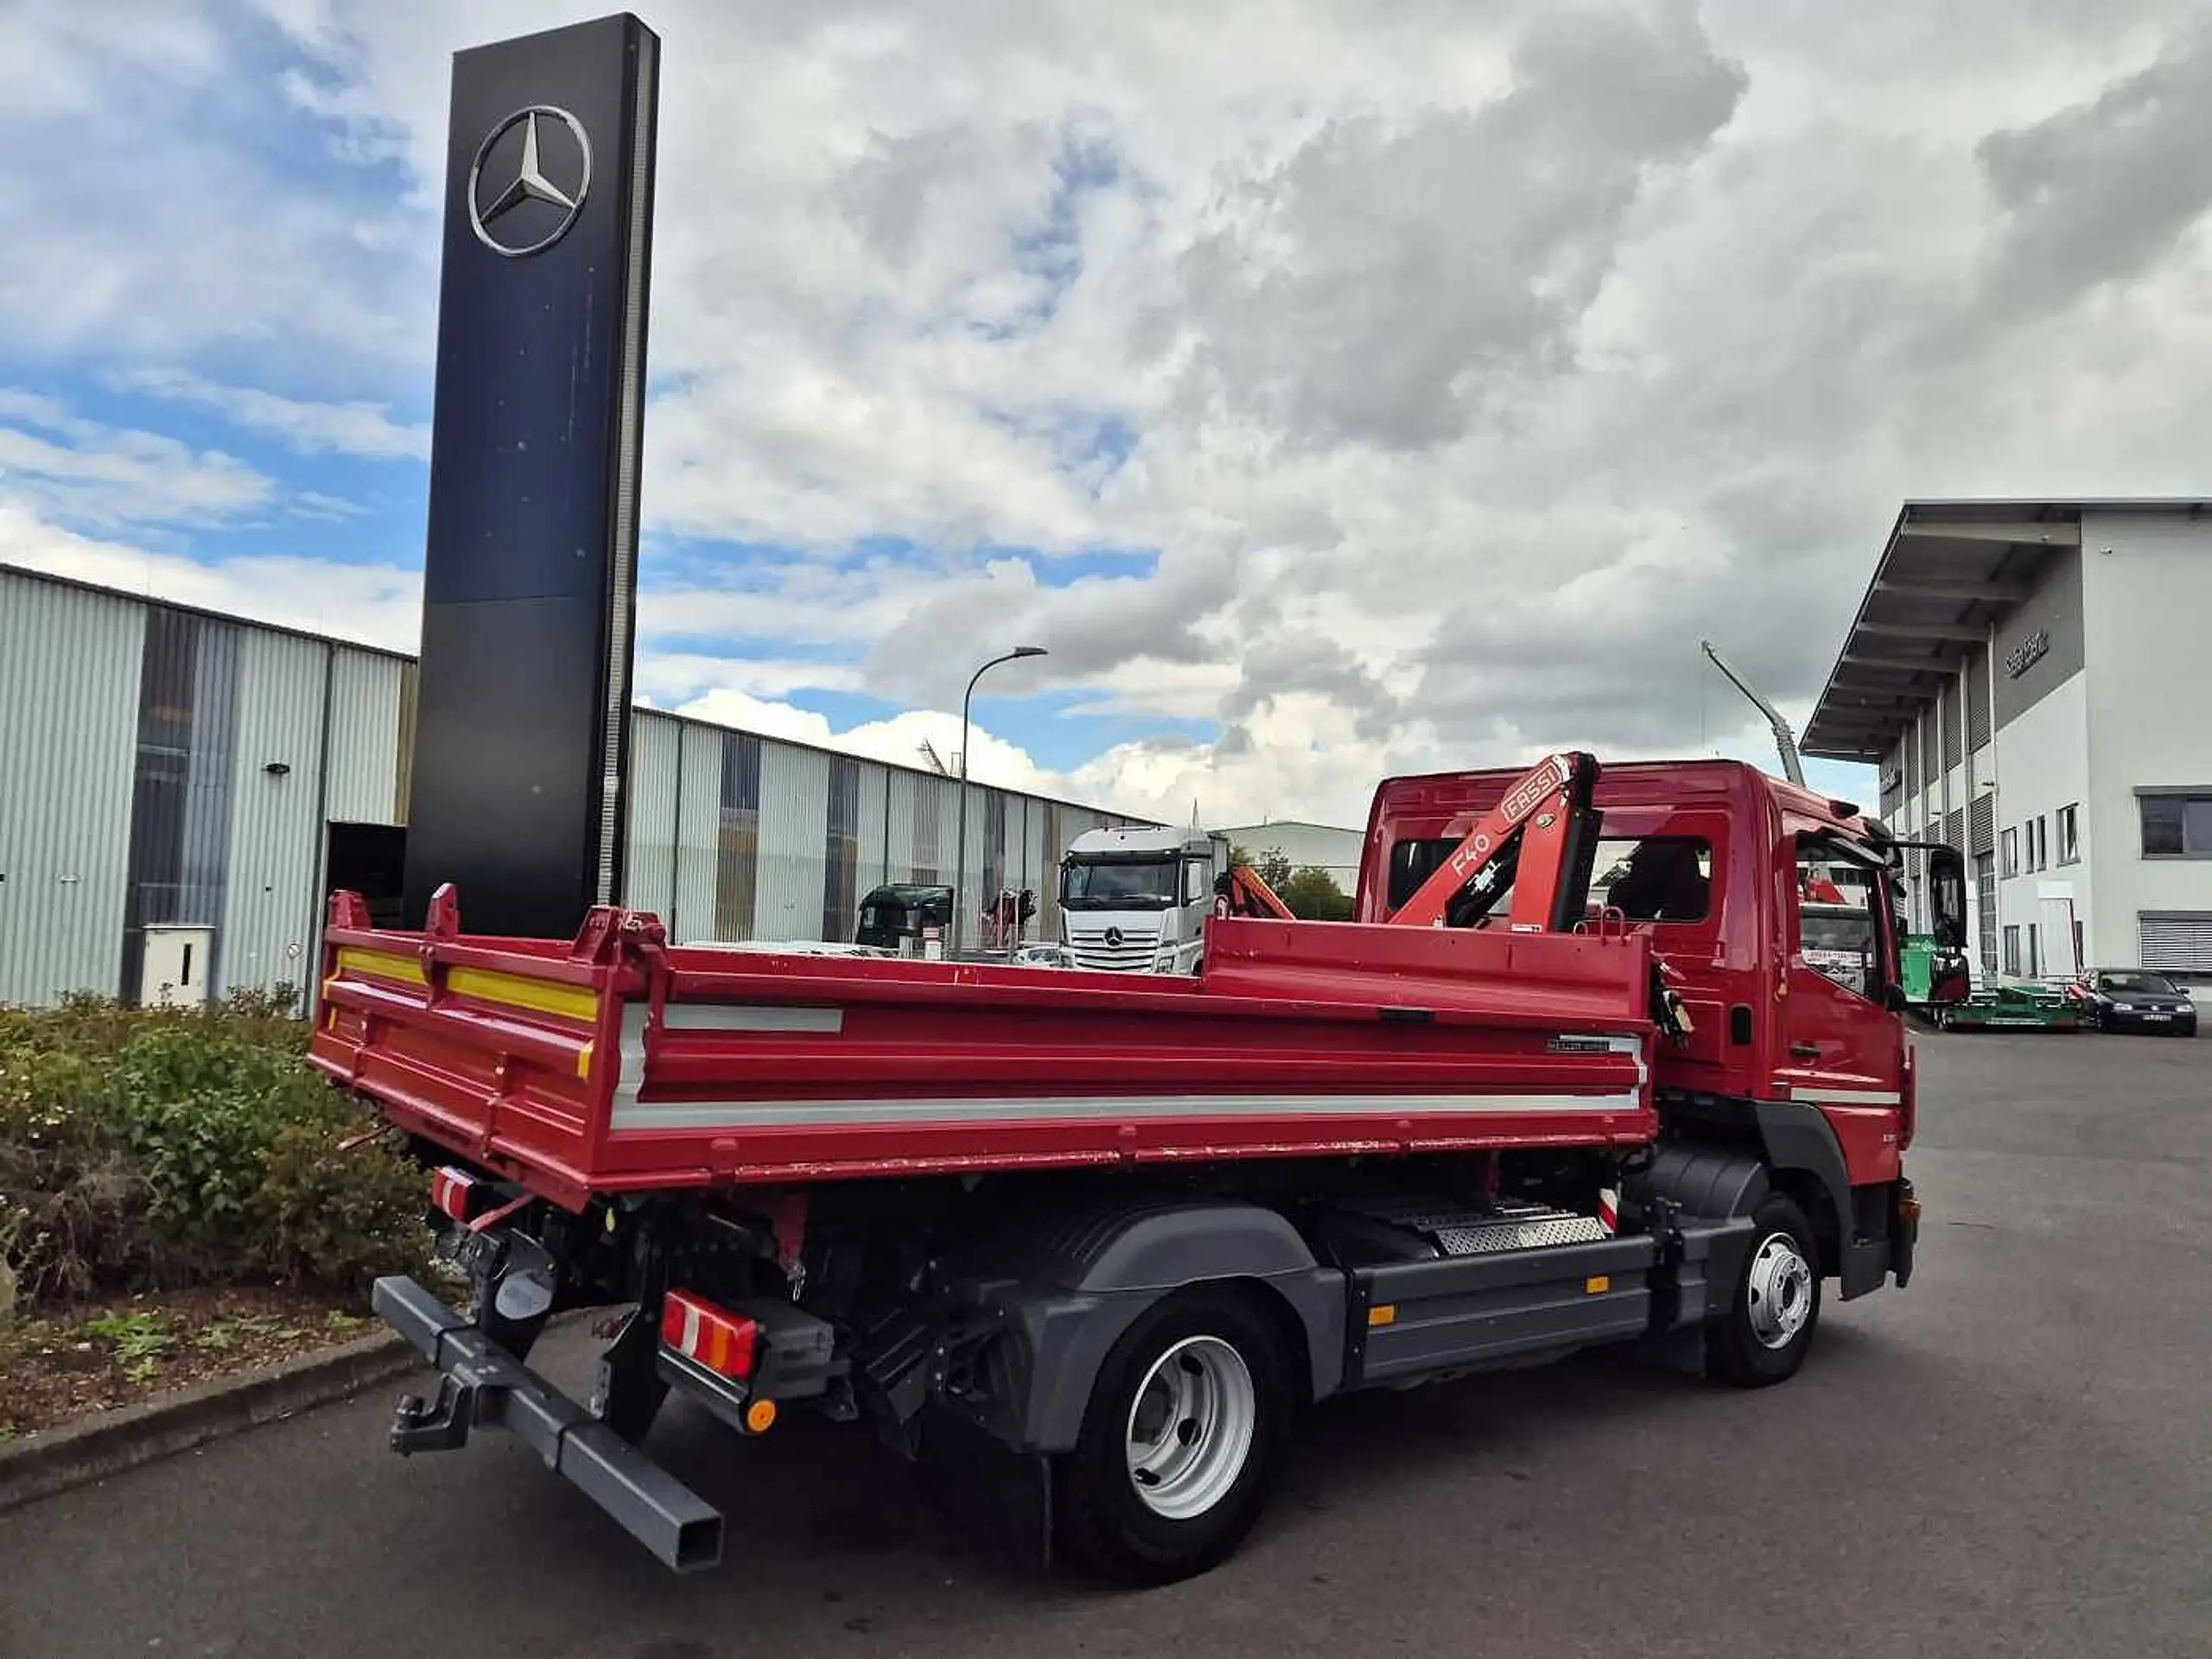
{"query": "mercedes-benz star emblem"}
pixel 1113 939
pixel 545 183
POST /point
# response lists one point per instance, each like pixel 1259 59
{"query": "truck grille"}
pixel 1129 949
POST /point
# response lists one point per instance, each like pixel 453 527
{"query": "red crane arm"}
pixel 1242 893
pixel 1541 836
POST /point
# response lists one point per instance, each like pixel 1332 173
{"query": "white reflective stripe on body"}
pixel 632 1114
pixel 1847 1096
pixel 727 1016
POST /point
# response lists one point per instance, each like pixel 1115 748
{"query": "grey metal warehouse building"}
pixel 191 785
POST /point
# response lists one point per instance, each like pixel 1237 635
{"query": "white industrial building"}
pixel 1316 846
pixel 2026 674
pixel 180 790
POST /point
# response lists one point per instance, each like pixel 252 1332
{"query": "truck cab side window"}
pixel 1837 932
pixel 1658 879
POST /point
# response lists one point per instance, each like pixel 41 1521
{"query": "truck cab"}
pixel 1772 912
pixel 1136 900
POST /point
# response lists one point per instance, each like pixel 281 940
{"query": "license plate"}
pixel 2157 1016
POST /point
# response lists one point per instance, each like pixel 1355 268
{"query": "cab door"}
pixel 1843 1043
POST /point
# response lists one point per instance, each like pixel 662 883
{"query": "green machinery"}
pixel 1994 1007
pixel 2012 1007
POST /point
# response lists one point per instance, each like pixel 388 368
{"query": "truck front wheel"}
pixel 1764 1336
pixel 1180 1440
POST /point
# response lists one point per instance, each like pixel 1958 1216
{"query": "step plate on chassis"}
pixel 1458 1231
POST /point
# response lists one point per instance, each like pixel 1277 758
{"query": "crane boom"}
pixel 1784 739
pixel 1541 836
pixel 1240 891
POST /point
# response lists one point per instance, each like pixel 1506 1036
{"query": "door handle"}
pixel 1805 1051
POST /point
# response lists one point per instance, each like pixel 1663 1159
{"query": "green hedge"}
pixel 146 1148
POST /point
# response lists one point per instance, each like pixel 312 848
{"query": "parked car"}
pixel 2133 999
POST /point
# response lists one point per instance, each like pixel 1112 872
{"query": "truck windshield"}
pixel 1120 884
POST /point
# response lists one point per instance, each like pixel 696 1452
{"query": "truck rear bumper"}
pixel 481 1385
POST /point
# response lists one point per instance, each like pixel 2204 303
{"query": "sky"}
pixel 1333 390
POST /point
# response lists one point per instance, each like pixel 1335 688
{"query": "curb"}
pixel 108 1442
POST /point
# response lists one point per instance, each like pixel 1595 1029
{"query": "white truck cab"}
pixel 1136 900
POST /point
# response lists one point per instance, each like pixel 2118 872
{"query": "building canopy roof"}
pixel 1950 572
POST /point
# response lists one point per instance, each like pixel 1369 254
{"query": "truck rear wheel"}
pixel 1764 1336
pixel 1180 1440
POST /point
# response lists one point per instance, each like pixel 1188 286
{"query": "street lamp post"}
pixel 960 855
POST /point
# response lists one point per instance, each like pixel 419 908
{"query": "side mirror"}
pixel 1946 896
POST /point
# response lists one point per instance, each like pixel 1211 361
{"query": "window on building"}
pixel 2081 949
pixel 2012 853
pixel 2178 941
pixel 2012 950
pixel 2069 834
pixel 2176 826
pixel 1985 884
pixel 2039 843
pixel 2035 955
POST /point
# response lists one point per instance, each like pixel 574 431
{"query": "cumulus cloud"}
pixel 85 472
pixel 353 427
pixel 371 605
pixel 1371 388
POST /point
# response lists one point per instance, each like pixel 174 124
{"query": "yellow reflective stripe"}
pixel 583 1067
pixel 539 996
pixel 384 964
pixel 566 1001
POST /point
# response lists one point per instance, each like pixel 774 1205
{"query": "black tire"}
pixel 1102 1519
pixel 1734 1351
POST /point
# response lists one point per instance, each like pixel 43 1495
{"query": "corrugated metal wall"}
pixel 649 850
pixel 698 812
pixel 84 758
pixel 875 805
pixel 1040 870
pixel 272 912
pixel 794 821
pixel 899 858
pixel 365 738
pixel 69 664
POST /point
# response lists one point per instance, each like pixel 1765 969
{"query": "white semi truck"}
pixel 1136 900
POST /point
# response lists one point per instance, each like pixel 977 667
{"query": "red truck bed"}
pixel 619 1062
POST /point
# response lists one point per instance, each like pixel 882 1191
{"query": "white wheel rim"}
pixel 1780 1290
pixel 1191 1427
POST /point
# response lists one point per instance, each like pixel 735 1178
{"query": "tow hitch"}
pixel 480 1385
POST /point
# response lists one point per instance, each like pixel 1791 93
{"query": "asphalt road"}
pixel 2014 1457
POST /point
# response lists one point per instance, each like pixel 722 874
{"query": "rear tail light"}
pixel 453 1193
pixel 724 1343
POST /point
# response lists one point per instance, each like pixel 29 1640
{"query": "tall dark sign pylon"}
pixel 529 569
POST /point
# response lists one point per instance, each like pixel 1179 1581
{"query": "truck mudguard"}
pixel 1717 1189
pixel 1078 1282
pixel 1797 1137
pixel 1709 1182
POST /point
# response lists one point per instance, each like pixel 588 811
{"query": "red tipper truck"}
pixel 1091 1242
